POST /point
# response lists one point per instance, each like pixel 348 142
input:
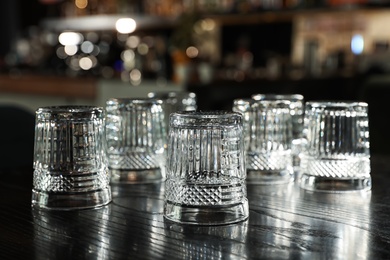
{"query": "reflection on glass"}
pixel 293 223
pixel 71 234
pixel 199 242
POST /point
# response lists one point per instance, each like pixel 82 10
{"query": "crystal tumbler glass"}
pixel 297 111
pixel 337 156
pixel 269 139
pixel 206 169
pixel 70 163
pixel 136 139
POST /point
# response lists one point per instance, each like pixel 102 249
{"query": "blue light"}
pixel 357 44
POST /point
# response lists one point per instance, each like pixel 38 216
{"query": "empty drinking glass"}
pixel 268 140
pixel 297 112
pixel 70 163
pixel 206 169
pixel 337 156
pixel 136 139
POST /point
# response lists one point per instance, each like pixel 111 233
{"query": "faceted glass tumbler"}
pixel 205 168
pixel 268 131
pixel 136 140
pixel 70 162
pixel 337 155
pixel 297 112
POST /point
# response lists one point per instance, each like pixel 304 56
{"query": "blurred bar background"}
pixel 86 51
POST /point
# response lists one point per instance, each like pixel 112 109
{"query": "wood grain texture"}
pixel 285 222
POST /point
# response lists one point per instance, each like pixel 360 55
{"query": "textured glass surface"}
pixel 136 133
pixel 205 164
pixel 174 101
pixel 69 155
pixel 268 139
pixel 296 109
pixel 338 146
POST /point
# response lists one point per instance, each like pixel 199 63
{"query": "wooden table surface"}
pixel 285 222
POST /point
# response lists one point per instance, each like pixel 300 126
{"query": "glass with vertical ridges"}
pixel 70 163
pixel 337 155
pixel 136 140
pixel 206 169
pixel 268 133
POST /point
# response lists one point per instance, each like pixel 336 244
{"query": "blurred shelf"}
pixel 147 22
pixel 287 15
pixel 103 23
pixel 49 86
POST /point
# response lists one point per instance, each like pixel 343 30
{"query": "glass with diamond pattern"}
pixel 296 111
pixel 70 163
pixel 136 140
pixel 269 139
pixel 337 154
pixel 205 169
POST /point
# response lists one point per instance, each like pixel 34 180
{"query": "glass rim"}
pixel 243 101
pixel 336 104
pixel 134 101
pixel 171 94
pixel 69 109
pixel 206 118
pixel 289 97
pixel 273 102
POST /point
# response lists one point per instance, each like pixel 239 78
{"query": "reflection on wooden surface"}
pixel 285 222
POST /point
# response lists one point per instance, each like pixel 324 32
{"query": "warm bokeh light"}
pixel 143 49
pixel 71 50
pixel 85 63
pixel 192 52
pixel 128 55
pixel 81 4
pixel 70 38
pixel 133 41
pixel 125 25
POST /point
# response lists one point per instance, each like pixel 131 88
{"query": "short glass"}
pixel 136 139
pixel 268 140
pixel 206 169
pixel 70 163
pixel 337 155
pixel 297 104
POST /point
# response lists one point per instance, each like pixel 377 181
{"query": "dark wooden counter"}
pixel 285 222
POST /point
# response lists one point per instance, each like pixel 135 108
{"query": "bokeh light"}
pixel 70 38
pixel 125 25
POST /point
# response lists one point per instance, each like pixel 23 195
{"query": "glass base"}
pixel 71 201
pixel 207 215
pixel 136 176
pixel 326 184
pixel 269 177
